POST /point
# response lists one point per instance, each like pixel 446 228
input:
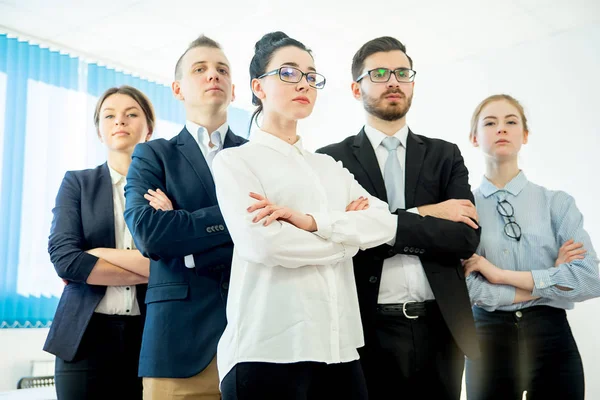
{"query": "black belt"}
pixel 410 309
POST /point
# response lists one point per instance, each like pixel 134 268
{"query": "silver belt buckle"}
pixel 404 311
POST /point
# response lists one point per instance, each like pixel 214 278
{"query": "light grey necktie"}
pixel 215 138
pixel 393 175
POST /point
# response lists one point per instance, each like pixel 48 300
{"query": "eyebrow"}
pixel 293 64
pixel 112 109
pixel 204 62
pixel 507 116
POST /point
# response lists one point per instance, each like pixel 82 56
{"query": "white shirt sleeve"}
pixel 280 243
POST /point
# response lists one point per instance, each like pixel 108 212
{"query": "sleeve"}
pixel 436 236
pixel 280 243
pixel 166 234
pixel 580 276
pixel 66 243
pixel 365 229
pixel 486 294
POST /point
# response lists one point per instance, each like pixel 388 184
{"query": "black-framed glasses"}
pixel 382 75
pixel 294 75
pixel 511 228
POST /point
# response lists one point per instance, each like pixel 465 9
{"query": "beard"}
pixel 391 112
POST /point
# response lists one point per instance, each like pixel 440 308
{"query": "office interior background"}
pixel 57 57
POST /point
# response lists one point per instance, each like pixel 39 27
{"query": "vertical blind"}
pixel 47 100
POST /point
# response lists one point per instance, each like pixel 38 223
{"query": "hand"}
pixel 158 200
pixel 66 282
pixel 452 210
pixel 362 203
pixel 570 251
pixel 272 212
pixel 480 264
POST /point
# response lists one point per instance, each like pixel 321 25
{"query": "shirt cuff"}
pixel 189 261
pixel 541 280
pixel 325 223
pixel 414 210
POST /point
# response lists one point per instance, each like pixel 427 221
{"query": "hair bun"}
pixel 269 39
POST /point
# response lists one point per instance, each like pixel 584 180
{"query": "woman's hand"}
pixel 480 264
pixel 362 203
pixel 158 200
pixel 270 212
pixel 570 251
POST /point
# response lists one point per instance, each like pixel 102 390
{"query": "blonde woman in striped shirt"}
pixel 535 260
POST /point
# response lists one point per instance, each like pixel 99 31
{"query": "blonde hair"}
pixel 496 97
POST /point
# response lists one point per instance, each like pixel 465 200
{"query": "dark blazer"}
pixel 186 307
pixel 434 172
pixel 83 219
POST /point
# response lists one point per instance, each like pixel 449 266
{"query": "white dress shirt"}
pixel 402 278
pixel 292 294
pixel 203 138
pixel 121 300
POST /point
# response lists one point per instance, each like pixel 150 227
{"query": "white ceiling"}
pixel 147 37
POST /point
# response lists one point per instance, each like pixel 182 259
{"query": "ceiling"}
pixel 147 37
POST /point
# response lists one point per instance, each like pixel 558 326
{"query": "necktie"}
pixel 215 138
pixel 393 175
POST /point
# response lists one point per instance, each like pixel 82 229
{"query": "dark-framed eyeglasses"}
pixel 382 75
pixel 294 75
pixel 511 228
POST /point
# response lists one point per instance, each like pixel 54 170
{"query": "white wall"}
pixel 18 348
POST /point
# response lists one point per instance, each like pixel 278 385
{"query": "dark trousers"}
pixel 295 381
pixel 106 364
pixel 532 349
pixel 412 358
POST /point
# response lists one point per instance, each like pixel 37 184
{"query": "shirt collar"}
pixel 272 141
pixel 115 177
pixel 513 187
pixel 376 137
pixel 194 129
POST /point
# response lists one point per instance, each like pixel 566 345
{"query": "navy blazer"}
pixel 185 307
pixel 83 219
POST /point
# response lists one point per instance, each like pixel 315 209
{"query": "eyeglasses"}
pixel 511 228
pixel 382 75
pixel 294 75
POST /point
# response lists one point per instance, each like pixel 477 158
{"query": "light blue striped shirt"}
pixel 547 219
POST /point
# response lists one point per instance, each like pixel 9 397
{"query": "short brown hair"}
pixel 136 95
pixel 380 44
pixel 201 41
pixel 496 97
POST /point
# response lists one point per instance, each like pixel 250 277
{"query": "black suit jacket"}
pixel 83 219
pixel 434 172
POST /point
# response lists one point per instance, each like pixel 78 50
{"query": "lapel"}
pixel 415 153
pixel 189 148
pixel 106 215
pixel 364 153
pixel 231 140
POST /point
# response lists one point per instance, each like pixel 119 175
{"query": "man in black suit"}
pixel 414 302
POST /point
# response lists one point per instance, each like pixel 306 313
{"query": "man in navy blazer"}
pixel 172 212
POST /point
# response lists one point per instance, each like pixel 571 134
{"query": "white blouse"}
pixel 292 295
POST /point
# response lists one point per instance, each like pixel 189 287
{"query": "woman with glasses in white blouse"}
pixel 296 219
pixel 535 260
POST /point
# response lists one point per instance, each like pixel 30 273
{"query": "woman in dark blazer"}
pixel 97 329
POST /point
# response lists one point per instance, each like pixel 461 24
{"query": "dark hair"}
pixel 496 97
pixel 136 95
pixel 380 44
pixel 263 53
pixel 201 41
